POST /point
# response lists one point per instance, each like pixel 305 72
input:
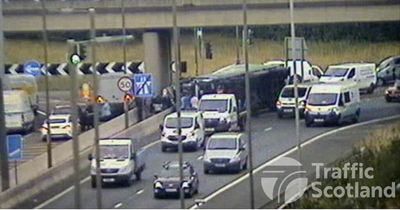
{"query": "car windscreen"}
pixel 222 143
pixel 214 105
pixel 114 152
pixel 174 172
pixel 385 63
pixel 289 92
pixel 186 122
pixel 336 72
pixel 62 110
pixel 55 121
pixel 322 99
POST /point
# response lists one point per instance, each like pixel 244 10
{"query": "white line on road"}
pixel 200 157
pixel 139 192
pixel 268 129
pixel 60 194
pixel 117 205
pixel 41 112
pixel 258 169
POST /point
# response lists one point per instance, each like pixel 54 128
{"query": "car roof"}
pixel 115 141
pixel 175 164
pixel 226 135
pixel 217 96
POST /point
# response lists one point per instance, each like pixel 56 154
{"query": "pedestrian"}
pixel 166 99
pixel 194 102
pixel 220 89
pixel 185 101
pixel 105 111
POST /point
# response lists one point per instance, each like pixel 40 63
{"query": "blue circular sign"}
pixel 33 67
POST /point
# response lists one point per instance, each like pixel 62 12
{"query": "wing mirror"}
pixel 161 127
pixel 90 157
pixel 155 176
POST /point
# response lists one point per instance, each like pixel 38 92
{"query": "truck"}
pixel 107 91
pixel 305 71
pixel 26 83
pixel 120 160
pixel 19 115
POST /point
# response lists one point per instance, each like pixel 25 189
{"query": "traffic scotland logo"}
pixel 284 176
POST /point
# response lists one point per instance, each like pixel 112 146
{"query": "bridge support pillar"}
pixel 157 58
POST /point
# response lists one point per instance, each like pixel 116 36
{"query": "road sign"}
pixel 143 85
pixel 300 48
pixel 33 67
pixel 125 84
pixel 15 147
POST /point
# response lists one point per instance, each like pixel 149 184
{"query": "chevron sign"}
pixel 61 69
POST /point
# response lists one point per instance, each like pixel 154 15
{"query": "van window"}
pixel 322 99
pixel 316 72
pixel 352 73
pixel 336 72
pixel 172 122
pixel 346 97
pixel 214 105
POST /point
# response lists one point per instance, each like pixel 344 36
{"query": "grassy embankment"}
pixel 381 151
pixel 320 53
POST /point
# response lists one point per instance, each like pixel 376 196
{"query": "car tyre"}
pixel 371 89
pixel 94 185
pixel 163 148
pixel 245 165
pixel 308 123
pixel 206 171
pixel 388 99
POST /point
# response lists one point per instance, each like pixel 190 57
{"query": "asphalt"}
pixel 271 137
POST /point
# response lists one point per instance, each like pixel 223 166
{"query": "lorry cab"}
pixel 119 161
pixel 220 112
pixel 193 133
pixel 286 102
pixel 333 103
pixel 19 115
pixel 362 73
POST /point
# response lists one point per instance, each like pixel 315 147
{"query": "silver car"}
pixel 225 152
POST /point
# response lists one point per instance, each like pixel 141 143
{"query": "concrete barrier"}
pixel 34 176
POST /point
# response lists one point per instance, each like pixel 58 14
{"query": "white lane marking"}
pixel 200 157
pixel 139 192
pixel 117 205
pixel 268 129
pixel 258 169
pixel 60 194
pixel 41 112
pixel 81 182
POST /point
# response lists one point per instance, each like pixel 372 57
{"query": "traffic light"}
pixel 250 37
pixel 78 54
pixel 128 98
pixel 209 52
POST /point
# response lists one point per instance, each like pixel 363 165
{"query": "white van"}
pixel 362 73
pixel 26 83
pixel 333 103
pixel 304 69
pixel 220 112
pixel 19 115
pixel 193 133
pixel 286 103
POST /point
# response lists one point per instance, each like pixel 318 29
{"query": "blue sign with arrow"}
pixel 14 147
pixel 33 67
pixel 143 85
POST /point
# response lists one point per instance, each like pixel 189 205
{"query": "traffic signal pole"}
pixel 126 108
pixel 5 176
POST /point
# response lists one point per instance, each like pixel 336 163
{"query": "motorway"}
pixel 271 137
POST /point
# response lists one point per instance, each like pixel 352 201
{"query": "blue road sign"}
pixel 143 85
pixel 14 147
pixel 33 67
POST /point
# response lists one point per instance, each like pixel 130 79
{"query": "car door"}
pixel 242 144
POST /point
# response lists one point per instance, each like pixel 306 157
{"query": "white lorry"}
pixel 19 114
pixel 120 160
pixel 305 71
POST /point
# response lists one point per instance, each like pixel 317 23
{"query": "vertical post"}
pixel 124 57
pixel 196 48
pixel 178 100
pixel 46 61
pixel 296 94
pixel 92 14
pixel 237 45
pixel 5 176
pixel 16 171
pixel 75 139
pixel 248 103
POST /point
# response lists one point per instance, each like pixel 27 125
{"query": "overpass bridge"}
pixel 24 15
pixel 154 17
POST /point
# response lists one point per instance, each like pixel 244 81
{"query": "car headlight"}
pixel 335 110
pixel 235 158
pixel 158 185
pixel 125 169
pixel 303 103
pixel 185 185
pixel 206 158
pixel 387 92
pixel 222 120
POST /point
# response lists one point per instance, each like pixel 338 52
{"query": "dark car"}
pixel 393 93
pixel 388 70
pixel 167 183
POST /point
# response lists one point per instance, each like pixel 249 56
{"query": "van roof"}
pixel 115 141
pixel 184 114
pixel 217 96
pixel 305 85
pixel 348 65
pixel 13 92
pixel 332 87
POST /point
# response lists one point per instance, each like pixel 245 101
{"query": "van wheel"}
pixel 371 89
pixel 356 117
pixel 138 175
pixel 308 123
pixel 94 183
pixel 245 165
